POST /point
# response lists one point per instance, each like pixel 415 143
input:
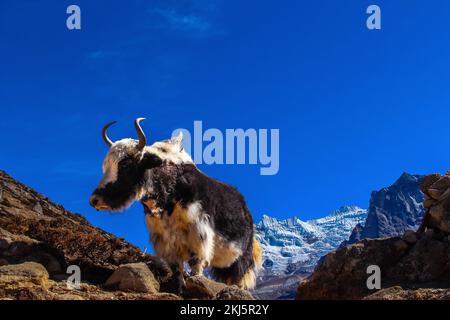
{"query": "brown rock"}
pixel 233 293
pixel 135 277
pixel 30 271
pixel 200 287
pixel 342 275
pixel 398 293
pixel 410 237
pixel 435 193
pixel 428 181
pixel 428 203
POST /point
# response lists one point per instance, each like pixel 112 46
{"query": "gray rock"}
pixel 135 277
pixel 38 208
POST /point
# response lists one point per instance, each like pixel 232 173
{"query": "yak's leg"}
pixel 197 266
pixel 176 284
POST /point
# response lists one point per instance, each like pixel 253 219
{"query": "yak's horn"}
pixel 142 139
pixel 105 134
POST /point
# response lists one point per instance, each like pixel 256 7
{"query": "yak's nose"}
pixel 94 200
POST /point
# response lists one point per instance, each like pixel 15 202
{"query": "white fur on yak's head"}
pixel 128 165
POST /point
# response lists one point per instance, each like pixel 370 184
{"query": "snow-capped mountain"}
pixel 294 246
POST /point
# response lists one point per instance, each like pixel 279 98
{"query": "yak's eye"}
pixel 151 161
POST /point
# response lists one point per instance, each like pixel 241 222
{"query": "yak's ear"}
pixel 178 140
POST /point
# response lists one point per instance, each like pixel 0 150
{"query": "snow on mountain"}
pixel 293 246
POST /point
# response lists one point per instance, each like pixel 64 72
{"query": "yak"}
pixel 191 218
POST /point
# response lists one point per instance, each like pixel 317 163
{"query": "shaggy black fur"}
pixel 226 207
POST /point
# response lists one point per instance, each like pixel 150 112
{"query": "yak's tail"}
pixel 243 271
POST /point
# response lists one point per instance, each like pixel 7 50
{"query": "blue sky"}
pixel 355 108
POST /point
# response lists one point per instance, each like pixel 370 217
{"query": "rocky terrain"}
pixel 415 265
pixel 293 247
pixel 39 240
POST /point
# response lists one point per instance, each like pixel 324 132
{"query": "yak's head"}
pixel 127 168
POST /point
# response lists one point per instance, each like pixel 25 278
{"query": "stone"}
pixel 38 208
pixel 399 293
pixel 200 287
pixel 428 181
pixel 429 233
pixel 401 246
pixel 68 296
pixel 233 293
pixel 20 274
pixel 4 244
pixel 410 237
pixel 435 193
pixel 134 277
pixel 442 184
pixel 428 203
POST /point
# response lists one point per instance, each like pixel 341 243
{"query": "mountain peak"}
pixel 406 178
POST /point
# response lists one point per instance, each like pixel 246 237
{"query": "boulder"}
pixel 134 277
pixel 410 237
pixel 30 271
pixel 200 287
pixel 437 191
pixel 233 293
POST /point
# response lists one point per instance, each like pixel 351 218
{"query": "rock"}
pixel 429 233
pixel 4 244
pixel 135 277
pixel 410 237
pixel 38 208
pixel 398 293
pixel 428 181
pixel 20 274
pixel 343 274
pixel 428 203
pixel 434 193
pixel 200 287
pixel 438 211
pixel 233 293
pixel 68 296
pixel 401 246
pixel 3 262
